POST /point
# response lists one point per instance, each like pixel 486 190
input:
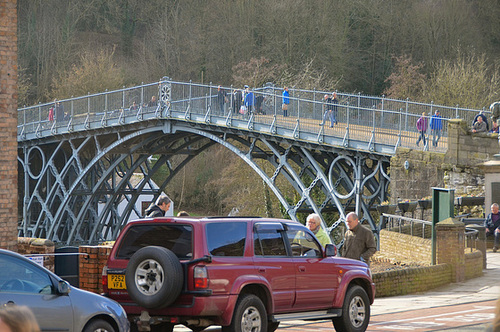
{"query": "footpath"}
pixel 484 288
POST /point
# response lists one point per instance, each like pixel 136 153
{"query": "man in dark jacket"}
pixel 483 117
pixel 492 224
pixel 158 210
pixel 359 242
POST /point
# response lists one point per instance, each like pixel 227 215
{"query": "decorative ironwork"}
pixel 83 185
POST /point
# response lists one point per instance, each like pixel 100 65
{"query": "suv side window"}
pixel 302 242
pixel 226 238
pixel 268 240
pixel 177 238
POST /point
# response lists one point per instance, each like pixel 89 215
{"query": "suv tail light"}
pixel 200 275
pixel 105 280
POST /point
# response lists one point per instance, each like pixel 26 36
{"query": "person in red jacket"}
pixel 422 128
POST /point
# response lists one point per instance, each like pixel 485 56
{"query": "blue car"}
pixel 57 305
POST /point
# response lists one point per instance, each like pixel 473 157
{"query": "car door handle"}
pixel 262 270
pixel 302 269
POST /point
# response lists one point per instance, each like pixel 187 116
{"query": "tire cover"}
pixel 154 277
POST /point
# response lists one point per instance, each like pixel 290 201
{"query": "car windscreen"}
pixel 177 238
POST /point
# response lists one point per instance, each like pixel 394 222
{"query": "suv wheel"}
pixel 249 316
pixel 154 277
pixel 355 311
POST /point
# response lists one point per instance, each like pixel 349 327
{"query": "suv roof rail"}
pixel 231 217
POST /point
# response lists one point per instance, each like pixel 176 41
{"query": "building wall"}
pixel 8 124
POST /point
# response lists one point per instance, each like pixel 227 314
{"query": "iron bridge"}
pixel 82 175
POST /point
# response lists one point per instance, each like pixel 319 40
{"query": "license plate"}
pixel 116 281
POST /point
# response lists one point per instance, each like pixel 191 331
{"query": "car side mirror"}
pixel 330 250
pixel 63 287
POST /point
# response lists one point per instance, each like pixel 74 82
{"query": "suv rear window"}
pixel 177 238
pixel 226 238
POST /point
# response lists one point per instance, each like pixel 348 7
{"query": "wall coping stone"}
pixel 450 222
pixel 35 241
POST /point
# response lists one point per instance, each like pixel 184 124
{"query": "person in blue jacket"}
pixel 249 100
pixel 436 127
pixel 286 101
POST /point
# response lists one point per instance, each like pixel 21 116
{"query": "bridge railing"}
pixel 364 118
pixel 405 106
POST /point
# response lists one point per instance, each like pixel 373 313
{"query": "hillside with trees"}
pixel 445 51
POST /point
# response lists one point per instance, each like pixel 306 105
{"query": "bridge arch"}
pixel 75 196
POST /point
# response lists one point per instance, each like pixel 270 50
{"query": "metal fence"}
pixel 405 225
pixel 365 118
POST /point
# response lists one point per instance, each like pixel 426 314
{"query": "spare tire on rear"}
pixel 154 277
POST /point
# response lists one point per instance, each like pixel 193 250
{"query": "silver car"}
pixel 56 305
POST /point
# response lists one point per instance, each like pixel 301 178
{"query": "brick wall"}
pixel 450 247
pixel 91 267
pixel 8 124
pixel 412 280
pixel 473 264
pixel 29 245
pixel 409 248
pixel 389 283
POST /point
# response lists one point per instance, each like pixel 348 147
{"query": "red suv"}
pixel 245 274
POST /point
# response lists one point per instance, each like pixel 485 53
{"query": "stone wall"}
pixel 456 169
pixel 8 124
pixel 425 171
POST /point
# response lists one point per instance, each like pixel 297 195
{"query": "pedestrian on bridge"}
pixel 436 127
pixel 221 99
pixel 335 102
pixel 237 98
pixel 153 102
pixel 286 101
pixel 422 128
pixel 51 114
pixel 59 109
pixel 249 100
pixel 328 106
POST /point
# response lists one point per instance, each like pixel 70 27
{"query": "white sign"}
pixel 36 259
